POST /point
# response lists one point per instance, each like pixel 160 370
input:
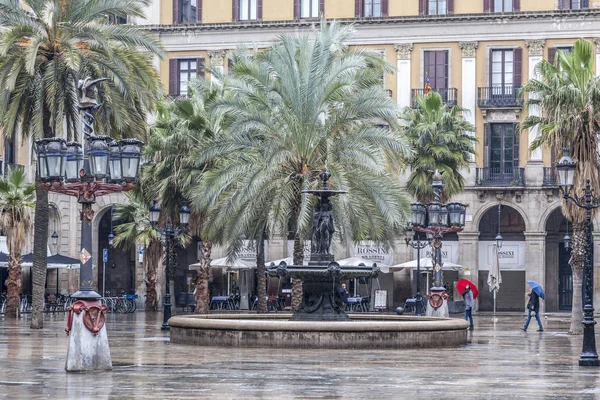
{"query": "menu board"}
pixel 381 299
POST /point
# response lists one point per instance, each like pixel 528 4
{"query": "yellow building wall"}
pixel 339 8
pixel 537 5
pixel 468 7
pixel 164 63
pixel 217 11
pixel 166 12
pixel 403 8
pixel 278 10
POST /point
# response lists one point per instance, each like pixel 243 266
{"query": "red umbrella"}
pixel 462 284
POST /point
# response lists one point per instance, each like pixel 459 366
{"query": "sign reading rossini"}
pixel 373 252
pixel 290 248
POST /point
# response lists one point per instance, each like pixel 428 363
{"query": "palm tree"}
pixel 17 199
pixel 566 97
pixel 137 230
pixel 305 104
pixel 184 128
pixel 46 47
pixel 442 140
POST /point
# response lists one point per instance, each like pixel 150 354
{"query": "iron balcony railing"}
pixel 549 177
pixel 500 177
pixel 449 96
pixel 499 97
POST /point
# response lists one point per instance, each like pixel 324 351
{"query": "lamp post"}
pixel 566 173
pixel 168 233
pixel 417 244
pixel 436 219
pixel 67 169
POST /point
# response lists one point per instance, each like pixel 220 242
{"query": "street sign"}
pixel 105 255
pixel 141 255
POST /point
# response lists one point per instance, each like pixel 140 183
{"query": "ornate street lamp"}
pixel 168 233
pixel 435 219
pixel 68 169
pixel 54 237
pixel 418 244
pixel 566 168
pixel 499 239
pixel 111 239
pixel 567 238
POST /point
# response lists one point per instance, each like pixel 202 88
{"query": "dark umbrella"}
pixel 60 259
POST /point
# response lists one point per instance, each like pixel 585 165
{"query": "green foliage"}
pixel 304 104
pixel 47 46
pixel 17 200
pixel 442 140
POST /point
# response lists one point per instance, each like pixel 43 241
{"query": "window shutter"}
pixel 564 4
pixel 259 9
pixel 516 5
pixel 235 10
pixel 384 8
pixel 173 78
pixel 552 55
pixel 491 53
pixel 516 147
pixel 358 12
pixel 200 67
pixel 487 6
pixel 199 11
pixel 422 7
pixel 450 6
pixel 517 66
pixel 296 9
pixel 585 3
pixel 176 12
pixel 322 7
pixel 487 136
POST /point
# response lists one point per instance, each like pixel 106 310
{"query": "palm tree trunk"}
pixel 152 259
pixel 297 291
pixel 13 285
pixel 40 253
pixel 204 276
pixel 262 277
pixel 577 262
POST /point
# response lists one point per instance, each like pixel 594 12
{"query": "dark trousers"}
pixel 469 316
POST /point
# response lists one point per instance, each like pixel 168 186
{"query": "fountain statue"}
pixel 321 299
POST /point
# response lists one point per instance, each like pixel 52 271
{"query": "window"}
pixel 552 52
pixel 573 4
pixel 503 5
pixel 371 8
pixel 117 19
pixel 248 10
pixel 504 154
pixel 181 71
pixel 502 68
pixel 435 65
pixel 309 8
pixel 437 7
pixel 186 11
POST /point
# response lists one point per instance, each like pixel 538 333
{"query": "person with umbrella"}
pixel 469 292
pixel 533 305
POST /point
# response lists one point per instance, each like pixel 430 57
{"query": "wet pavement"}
pixel 500 362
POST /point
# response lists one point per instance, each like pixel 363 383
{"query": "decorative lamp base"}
pixel 87 351
pixel 437 306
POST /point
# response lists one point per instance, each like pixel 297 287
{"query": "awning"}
pixel 426 263
pixel 234 265
pixel 355 261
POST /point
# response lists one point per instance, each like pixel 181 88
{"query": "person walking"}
pixel 469 304
pixel 533 309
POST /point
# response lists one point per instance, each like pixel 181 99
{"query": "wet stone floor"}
pixel 500 362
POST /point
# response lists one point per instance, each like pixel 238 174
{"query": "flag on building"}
pixel 427 83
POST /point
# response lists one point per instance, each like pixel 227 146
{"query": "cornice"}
pixel 555 15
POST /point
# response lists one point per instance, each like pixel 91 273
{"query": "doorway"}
pixel 565 280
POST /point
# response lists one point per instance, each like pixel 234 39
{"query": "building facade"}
pixel 475 53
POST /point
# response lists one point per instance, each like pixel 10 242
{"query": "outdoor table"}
pixel 356 303
pixel 219 302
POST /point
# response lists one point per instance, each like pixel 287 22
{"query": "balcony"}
pixel 499 97
pixel 500 177
pixel 449 96
pixel 549 178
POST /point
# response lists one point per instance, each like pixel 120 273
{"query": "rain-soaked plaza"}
pixel 498 362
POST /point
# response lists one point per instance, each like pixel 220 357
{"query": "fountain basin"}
pixel 364 331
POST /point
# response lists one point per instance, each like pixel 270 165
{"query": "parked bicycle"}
pixel 123 304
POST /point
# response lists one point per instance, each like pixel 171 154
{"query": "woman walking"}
pixel 533 309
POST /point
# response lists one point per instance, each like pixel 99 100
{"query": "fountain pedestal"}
pixel 321 301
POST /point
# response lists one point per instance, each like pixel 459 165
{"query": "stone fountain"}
pixel 321 300
pixel 320 322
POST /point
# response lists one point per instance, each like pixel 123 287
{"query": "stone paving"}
pixel 500 362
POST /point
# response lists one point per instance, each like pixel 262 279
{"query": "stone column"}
pixel 536 50
pixel 535 259
pixel 404 52
pixel 217 58
pixel 468 255
pixel 469 96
